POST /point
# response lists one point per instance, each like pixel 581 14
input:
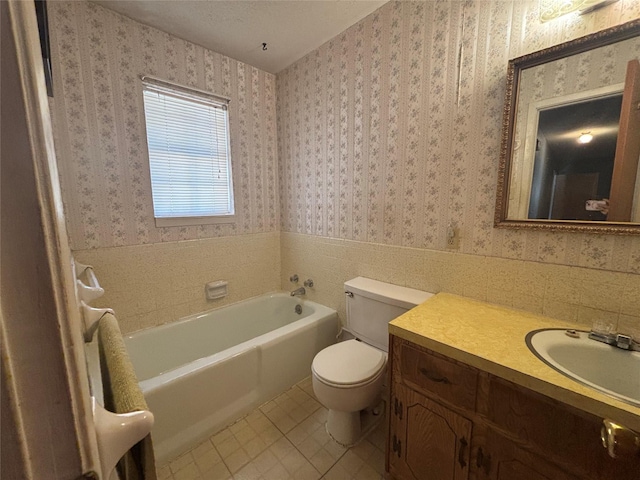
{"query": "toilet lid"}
pixel 348 363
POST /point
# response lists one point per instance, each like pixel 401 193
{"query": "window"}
pixel 189 155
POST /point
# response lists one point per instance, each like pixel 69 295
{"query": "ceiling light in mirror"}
pixel 585 138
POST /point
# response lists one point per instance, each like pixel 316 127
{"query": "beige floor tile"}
pixel 164 473
pixel 265 461
pixel 364 450
pixel 309 447
pixel 181 462
pixel 307 472
pixel 237 460
pixel 248 472
pixel 322 461
pixel 299 413
pixel 202 449
pixel 245 434
pixel 270 434
pixel 237 426
pixel 337 473
pixel 221 436
pixel 293 461
pixel 351 462
pixel 284 423
pixel 378 438
pixel 306 386
pixel 255 447
pixel 281 448
pixel 278 472
pixel 206 461
pixel 189 472
pixel 218 472
pixel 377 463
pixel 367 473
pixel 297 435
pixel 228 447
pixel 334 449
pixel 258 421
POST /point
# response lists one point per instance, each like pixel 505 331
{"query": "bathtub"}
pixel 204 371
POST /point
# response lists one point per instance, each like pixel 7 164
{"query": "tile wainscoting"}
pixel 570 293
pixel 148 285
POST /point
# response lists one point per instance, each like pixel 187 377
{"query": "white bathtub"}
pixel 204 371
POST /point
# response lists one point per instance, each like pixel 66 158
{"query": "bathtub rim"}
pixel 193 316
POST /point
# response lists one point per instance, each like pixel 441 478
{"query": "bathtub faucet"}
pixel 298 291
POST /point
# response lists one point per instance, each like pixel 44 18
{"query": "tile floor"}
pixel 281 440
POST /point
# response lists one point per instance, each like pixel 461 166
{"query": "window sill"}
pixel 189 221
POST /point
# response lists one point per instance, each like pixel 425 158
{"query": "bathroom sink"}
pixel 608 369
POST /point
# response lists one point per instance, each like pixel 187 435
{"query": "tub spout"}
pixel 298 291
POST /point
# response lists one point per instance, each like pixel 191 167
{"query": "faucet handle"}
pixel 294 278
pixel 308 283
pixel 603 326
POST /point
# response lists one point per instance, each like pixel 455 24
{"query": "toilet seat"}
pixel 348 364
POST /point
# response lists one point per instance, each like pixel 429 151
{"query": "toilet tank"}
pixel 371 305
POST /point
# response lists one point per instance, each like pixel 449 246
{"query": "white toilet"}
pixel 348 376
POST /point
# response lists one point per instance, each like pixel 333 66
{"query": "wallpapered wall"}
pixel 98 115
pixel 380 139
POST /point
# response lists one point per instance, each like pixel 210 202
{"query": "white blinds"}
pixel 189 154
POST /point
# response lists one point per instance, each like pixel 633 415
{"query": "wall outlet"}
pixel 453 238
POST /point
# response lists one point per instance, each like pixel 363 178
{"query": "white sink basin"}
pixel 609 369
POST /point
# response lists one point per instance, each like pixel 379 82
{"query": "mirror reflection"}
pixel 576 138
pixel 573 160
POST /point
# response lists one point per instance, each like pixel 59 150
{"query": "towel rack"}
pixel 115 433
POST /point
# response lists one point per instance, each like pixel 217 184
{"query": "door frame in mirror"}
pixel 599 39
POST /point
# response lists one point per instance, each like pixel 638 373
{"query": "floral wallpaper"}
pixel 383 139
pixel 98 118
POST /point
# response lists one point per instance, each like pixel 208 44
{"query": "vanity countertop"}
pixel 492 338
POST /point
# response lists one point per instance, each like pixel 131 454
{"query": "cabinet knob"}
pixel 618 440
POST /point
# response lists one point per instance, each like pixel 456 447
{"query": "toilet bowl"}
pixel 348 377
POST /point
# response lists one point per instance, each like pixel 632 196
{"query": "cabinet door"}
pixel 427 441
pixel 501 459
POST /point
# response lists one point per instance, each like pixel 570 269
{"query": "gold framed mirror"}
pixel 569 158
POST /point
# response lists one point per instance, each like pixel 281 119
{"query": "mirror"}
pixel 571 136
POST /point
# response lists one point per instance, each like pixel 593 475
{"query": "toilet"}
pixel 348 377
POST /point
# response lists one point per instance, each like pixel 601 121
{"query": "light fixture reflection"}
pixel 585 138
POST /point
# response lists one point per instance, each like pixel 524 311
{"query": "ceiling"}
pixel 237 28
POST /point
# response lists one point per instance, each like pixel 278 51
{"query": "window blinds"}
pixel 189 154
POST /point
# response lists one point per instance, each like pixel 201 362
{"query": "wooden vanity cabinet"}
pixel 427 439
pixel 448 420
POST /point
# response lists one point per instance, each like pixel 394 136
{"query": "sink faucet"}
pixel 298 291
pixel 626 342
